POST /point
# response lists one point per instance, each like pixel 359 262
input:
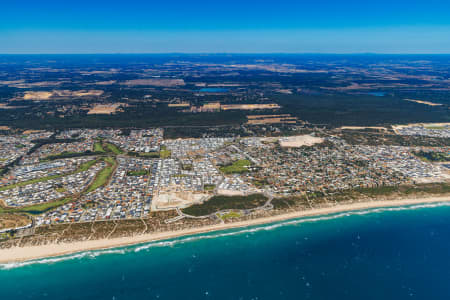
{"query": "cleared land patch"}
pixel 13 221
pixel 41 95
pixel 299 141
pixel 170 200
pixel 105 109
pixel 250 106
pixel 271 119
pixel 182 104
pixel 425 125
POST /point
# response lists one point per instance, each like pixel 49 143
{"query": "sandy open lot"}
pixel 104 109
pixel 271 119
pixel 37 95
pixel 32 95
pixel 13 221
pixel 397 127
pixel 181 104
pixel 299 141
pixel 250 106
pixel 171 200
pixel 230 192
pixel 31 131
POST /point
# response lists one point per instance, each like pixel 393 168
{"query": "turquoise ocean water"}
pixel 392 253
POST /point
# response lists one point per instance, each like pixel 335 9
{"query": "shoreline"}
pixel 20 254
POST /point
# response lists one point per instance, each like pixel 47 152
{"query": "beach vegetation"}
pixel 219 202
pixel 375 193
pixel 230 215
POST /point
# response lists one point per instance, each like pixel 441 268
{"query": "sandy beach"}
pixel 35 252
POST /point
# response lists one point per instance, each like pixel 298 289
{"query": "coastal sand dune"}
pixel 35 252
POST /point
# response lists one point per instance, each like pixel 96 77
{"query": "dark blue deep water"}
pixel 214 90
pixel 401 253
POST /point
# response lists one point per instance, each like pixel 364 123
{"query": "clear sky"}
pixel 291 26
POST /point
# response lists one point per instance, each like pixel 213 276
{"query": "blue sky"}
pixel 131 26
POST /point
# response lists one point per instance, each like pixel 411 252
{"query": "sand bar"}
pixel 35 252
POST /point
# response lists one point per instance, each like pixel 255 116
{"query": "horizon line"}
pixel 226 53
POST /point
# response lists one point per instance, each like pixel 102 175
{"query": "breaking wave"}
pixel 51 260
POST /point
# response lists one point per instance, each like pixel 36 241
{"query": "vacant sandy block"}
pixel 230 192
pixel 32 95
pixel 10 221
pixel 88 93
pixel 270 119
pixel 299 141
pixel 250 106
pixel 37 95
pixel 109 82
pixel 181 104
pixel 31 131
pixel 211 106
pixel 173 200
pixel 104 109
pixel 80 93
pixel 437 179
